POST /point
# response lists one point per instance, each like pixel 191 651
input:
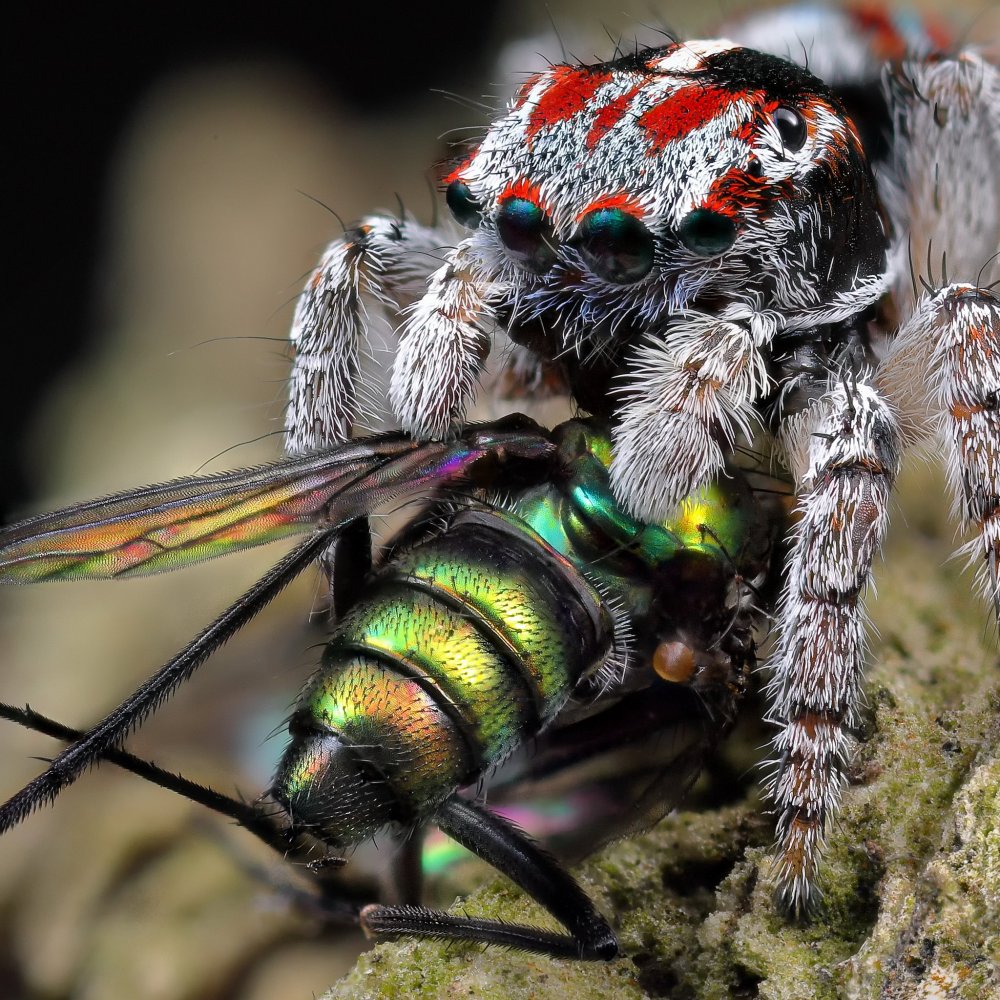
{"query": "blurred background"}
pixel 169 178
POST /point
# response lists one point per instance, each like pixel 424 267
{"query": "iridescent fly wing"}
pixel 165 527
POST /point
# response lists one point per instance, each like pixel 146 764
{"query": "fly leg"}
pixel 508 850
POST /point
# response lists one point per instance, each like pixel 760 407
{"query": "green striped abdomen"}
pixel 459 651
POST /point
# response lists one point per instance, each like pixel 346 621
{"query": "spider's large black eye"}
pixel 707 233
pixel 616 245
pixel 463 206
pixel 526 234
pixel 791 127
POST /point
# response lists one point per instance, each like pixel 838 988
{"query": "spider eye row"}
pixel 614 243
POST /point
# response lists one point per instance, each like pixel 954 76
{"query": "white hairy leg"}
pixel 942 375
pixel 384 263
pixel 844 454
pixel 942 186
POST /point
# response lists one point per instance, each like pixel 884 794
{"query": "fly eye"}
pixel 463 206
pixel 526 234
pixel 707 233
pixel 616 245
pixel 791 127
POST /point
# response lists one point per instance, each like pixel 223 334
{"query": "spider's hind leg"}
pixel 941 186
pixel 941 373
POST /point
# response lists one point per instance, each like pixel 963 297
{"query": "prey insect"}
pixel 691 240
pixel 467 643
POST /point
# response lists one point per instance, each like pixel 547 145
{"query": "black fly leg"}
pixel 346 563
pixel 508 850
pixel 406 872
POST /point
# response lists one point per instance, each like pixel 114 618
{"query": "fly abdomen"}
pixel 460 650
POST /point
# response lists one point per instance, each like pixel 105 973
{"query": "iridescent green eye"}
pixel 526 234
pixel 616 245
pixel 707 233
pixel 463 206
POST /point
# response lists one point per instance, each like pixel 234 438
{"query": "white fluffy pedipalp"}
pixel 690 395
pixel 443 346
pixel 383 263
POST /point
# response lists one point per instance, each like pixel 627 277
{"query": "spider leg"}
pixel 942 189
pixel 844 451
pixel 690 394
pixel 941 186
pixel 943 374
pixel 444 345
pixel 384 262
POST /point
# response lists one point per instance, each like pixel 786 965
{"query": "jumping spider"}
pixel 693 237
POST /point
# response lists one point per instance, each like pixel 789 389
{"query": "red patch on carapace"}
pixel 748 130
pixel 680 113
pixel 610 115
pixel 622 200
pixel 523 188
pixel 571 90
pixel 456 173
pixel 521 94
pixel 737 190
pixel 654 62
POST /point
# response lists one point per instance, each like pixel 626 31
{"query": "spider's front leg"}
pixel 444 345
pixel 383 263
pixel 370 274
pixel 844 452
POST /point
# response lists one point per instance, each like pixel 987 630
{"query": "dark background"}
pixel 77 75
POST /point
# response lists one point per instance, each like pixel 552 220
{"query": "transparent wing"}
pixel 169 526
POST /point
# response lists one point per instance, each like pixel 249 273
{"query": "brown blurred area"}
pixel 173 264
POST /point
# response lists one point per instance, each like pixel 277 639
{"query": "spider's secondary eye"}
pixel 791 127
pixel 616 245
pixel 526 234
pixel 463 206
pixel 707 233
